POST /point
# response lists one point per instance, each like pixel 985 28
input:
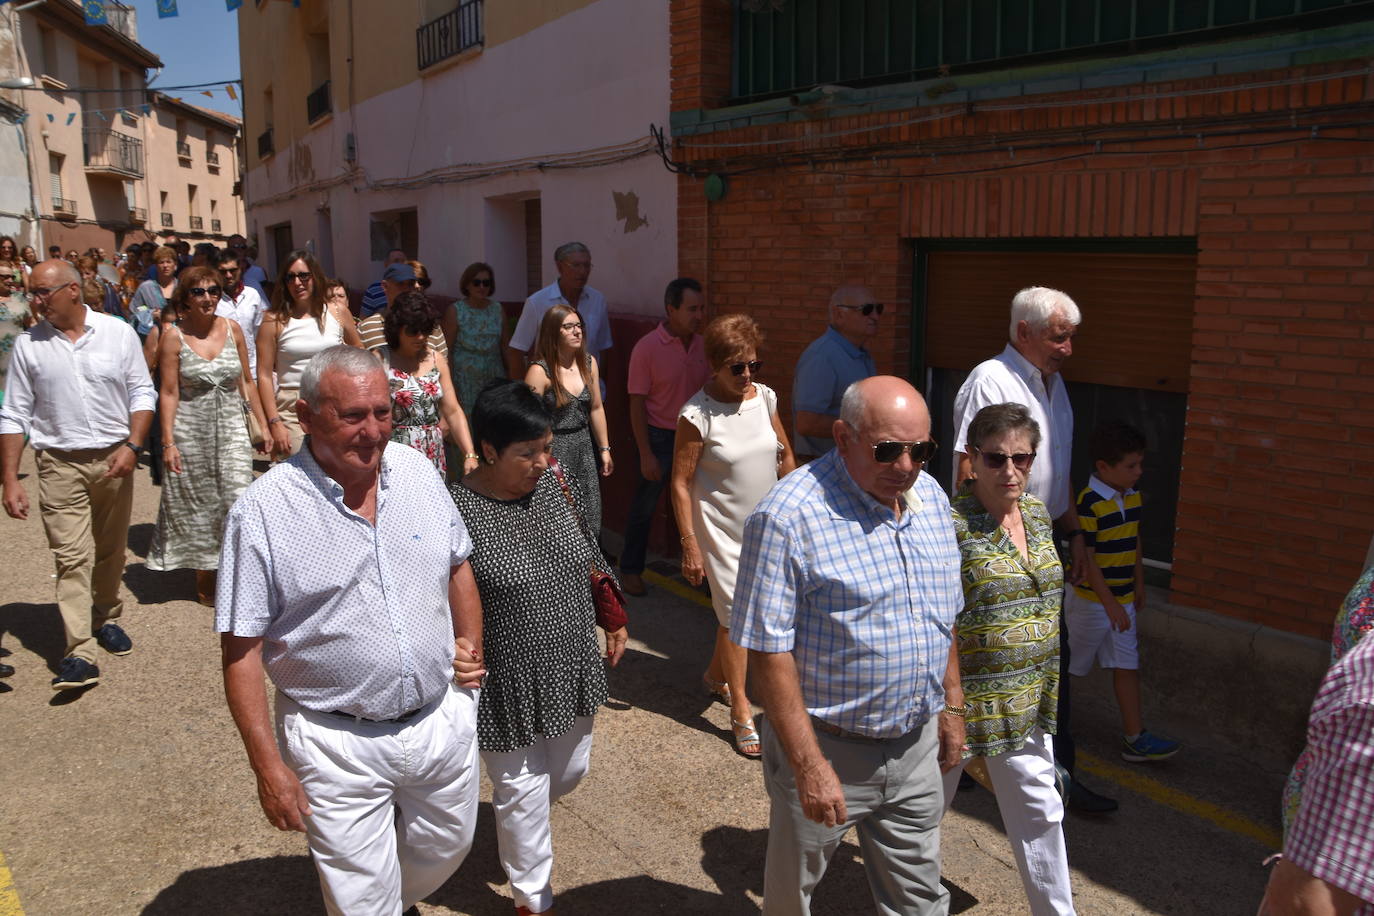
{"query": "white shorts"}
pixel 1092 639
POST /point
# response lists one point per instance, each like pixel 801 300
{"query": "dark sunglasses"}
pixel 868 308
pixel 888 451
pixel 228 270
pixel 204 291
pixel 996 460
pixel 302 276
pixel 753 366
pixel 480 282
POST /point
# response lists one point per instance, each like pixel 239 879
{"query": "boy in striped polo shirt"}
pixel 1101 611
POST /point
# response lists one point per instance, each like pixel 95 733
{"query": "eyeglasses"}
pixel 38 292
pixel 753 366
pixel 571 325
pixel 996 460
pixel 488 283
pixel 888 451
pixel 303 276
pixel 228 270
pixel 204 291
pixel 868 308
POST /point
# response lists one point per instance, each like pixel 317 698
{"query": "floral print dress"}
pixel 415 412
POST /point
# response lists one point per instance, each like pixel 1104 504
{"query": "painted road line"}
pixel 1132 780
pixel 9 894
pixel 1158 792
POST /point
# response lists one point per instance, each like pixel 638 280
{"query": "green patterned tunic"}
pixel 1008 631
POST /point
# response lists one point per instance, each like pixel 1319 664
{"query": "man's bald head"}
pixel 847 305
pixel 883 408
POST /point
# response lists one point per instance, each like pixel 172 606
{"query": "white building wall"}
pixel 586 84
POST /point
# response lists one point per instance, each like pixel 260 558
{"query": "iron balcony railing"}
pixel 63 205
pixel 166 220
pixel 784 47
pixel 214 225
pixel 138 215
pixel 212 159
pixel 197 224
pixel 265 147
pixel 450 34
pixel 110 151
pixel 317 103
pixel 183 149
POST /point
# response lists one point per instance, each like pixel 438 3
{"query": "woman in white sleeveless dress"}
pixel 730 450
pixel 299 323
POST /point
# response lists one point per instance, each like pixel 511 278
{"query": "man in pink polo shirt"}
pixel 667 367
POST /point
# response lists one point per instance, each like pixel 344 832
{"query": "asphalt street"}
pixel 135 796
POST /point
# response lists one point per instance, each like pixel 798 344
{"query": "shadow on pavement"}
pixel 152 587
pixel 141 539
pixel 281 884
pixel 38 627
pixel 660 686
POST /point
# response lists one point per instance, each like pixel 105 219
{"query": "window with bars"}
pixel 782 46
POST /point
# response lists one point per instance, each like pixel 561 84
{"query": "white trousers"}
pixel 524 785
pixel 1033 815
pixel 392 807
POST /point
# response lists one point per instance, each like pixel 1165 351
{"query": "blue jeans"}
pixel 646 500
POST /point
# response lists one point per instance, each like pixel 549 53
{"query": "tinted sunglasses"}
pixel 204 291
pixel 996 460
pixel 868 308
pixel 480 282
pixel 753 366
pixel 304 276
pixel 888 451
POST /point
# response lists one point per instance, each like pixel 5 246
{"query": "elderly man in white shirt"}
pixel 349 586
pixel 574 263
pixel 79 388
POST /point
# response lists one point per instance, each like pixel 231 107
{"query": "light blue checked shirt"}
pixel 354 616
pixel 864 600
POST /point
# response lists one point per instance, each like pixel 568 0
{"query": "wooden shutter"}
pixel 1137 311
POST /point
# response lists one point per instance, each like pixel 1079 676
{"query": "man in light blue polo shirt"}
pixel 832 363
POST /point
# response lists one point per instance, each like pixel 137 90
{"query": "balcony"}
pixel 197 224
pixel 183 150
pixel 166 220
pixel 265 147
pixel 317 103
pixel 212 159
pixel 63 206
pixel 108 152
pixel 449 35
pixel 215 225
pixel 138 216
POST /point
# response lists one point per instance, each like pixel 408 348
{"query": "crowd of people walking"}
pixel 413 574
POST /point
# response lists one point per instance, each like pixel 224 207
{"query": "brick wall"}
pixel 1277 490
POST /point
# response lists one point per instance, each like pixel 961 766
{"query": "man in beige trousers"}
pixel 79 388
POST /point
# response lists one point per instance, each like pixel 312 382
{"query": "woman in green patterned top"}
pixel 1008 639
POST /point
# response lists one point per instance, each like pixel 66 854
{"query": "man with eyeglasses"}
pixel 847 593
pixel 398 279
pixel 241 303
pixel 832 363
pixel 79 387
pixel 1040 338
pixel 574 263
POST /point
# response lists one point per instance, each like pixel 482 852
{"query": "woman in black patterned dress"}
pixel 545 675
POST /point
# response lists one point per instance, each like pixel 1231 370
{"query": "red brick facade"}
pixel 1272 173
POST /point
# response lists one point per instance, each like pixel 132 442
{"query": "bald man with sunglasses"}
pixel 832 363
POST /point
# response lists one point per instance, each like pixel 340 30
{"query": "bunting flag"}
pixel 71 116
pixel 23 115
pixel 166 9
pixel 50 117
pixel 207 93
pixel 234 96
pixel 101 116
pixel 95 12
pixel 232 5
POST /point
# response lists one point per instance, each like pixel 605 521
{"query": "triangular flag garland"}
pixel 166 9
pixel 50 117
pixel 232 5
pixel 233 96
pixel 95 12
pixel 71 116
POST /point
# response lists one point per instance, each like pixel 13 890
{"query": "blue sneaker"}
pixel 112 638
pixel 1147 748
pixel 75 672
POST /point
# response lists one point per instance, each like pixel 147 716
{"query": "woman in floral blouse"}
pixel 1008 639
pixel 421 389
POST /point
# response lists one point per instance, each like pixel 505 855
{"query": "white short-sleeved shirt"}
pixel 1011 378
pixel 591 306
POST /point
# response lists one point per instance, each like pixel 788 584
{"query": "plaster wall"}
pixel 551 91
pixel 168 171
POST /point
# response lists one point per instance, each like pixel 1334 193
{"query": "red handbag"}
pixel 607 598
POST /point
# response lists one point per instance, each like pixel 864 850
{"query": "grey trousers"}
pixel 893 794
